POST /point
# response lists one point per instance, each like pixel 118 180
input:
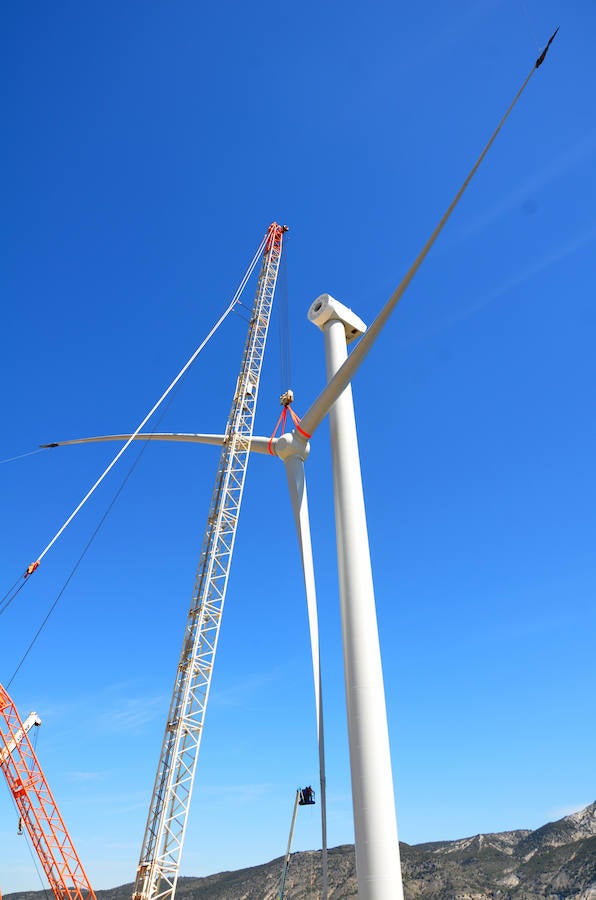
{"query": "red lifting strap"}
pixel 296 421
pixel 282 421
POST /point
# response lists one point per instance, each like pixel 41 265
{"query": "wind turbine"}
pixel 377 847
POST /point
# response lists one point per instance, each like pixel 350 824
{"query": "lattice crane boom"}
pixel 37 807
pixel 161 852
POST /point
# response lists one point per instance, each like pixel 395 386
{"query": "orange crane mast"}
pixel 37 808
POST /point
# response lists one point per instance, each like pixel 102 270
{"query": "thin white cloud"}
pixel 85 776
pixel 521 277
pixel 239 792
pixel 124 803
pixel 130 714
pixel 521 196
pixel 237 694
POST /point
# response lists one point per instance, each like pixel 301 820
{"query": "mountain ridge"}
pixel 554 862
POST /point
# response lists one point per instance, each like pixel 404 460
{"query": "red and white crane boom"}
pixel 37 807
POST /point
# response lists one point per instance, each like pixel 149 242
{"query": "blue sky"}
pixel 147 147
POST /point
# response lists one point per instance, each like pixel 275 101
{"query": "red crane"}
pixel 37 808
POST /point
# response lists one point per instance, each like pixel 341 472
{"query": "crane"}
pixel 164 834
pixel 159 863
pixel 37 807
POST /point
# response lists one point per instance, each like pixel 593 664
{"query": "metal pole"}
pixel 284 870
pixel 377 848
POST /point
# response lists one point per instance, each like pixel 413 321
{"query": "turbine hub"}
pixel 292 444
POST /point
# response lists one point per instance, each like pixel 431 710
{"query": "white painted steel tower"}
pixel 375 824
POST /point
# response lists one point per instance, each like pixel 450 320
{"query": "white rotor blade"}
pixel 294 467
pixel 257 444
pixel 319 409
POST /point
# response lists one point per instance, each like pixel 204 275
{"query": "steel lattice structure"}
pixel 159 863
pixel 37 807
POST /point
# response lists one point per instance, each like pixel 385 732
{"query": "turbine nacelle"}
pixel 327 309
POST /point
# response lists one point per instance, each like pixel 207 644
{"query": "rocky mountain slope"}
pixel 555 862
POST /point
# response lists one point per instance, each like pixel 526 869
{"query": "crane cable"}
pixel 76 566
pixel 11 594
pixel 94 534
pixel 283 315
pixel 20 456
pixel 34 565
pixel 30 849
